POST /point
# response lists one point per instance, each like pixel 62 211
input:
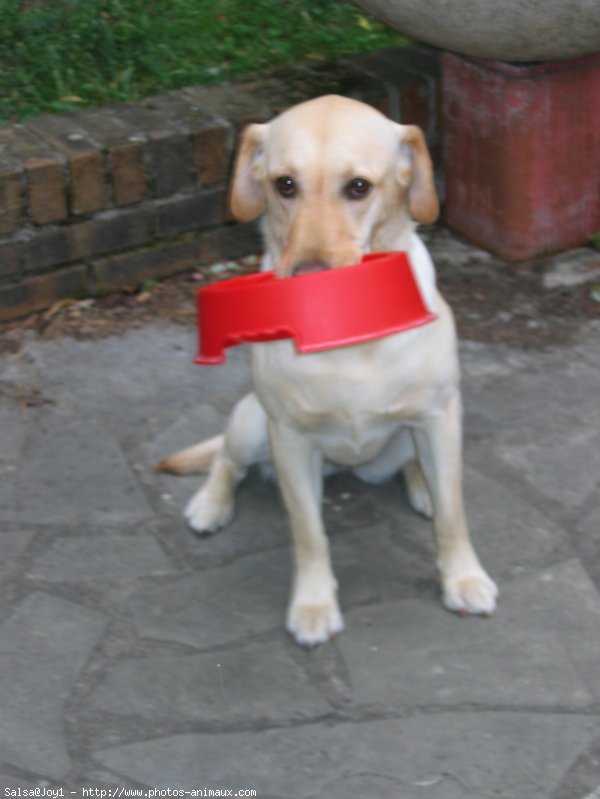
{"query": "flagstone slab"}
pixel 218 605
pixel 259 522
pixel 553 463
pixel 144 372
pixel 13 544
pixel 100 557
pixel 587 539
pixel 370 567
pixel 511 534
pixel 506 755
pixel 75 473
pixel 13 426
pixel 541 648
pixel 253 682
pixel 11 784
pixel 510 392
pixel 44 644
pixel 199 422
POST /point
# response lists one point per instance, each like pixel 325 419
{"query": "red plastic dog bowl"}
pixel 321 310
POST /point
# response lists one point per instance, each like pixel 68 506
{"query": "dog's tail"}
pixel 193 459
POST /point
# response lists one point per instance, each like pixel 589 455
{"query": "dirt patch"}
pixel 510 304
pixel 170 300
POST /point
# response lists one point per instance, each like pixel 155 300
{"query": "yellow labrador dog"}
pixel 334 179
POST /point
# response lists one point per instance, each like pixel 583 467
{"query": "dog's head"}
pixel 335 179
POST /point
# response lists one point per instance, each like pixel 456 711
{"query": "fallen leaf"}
pixel 57 307
pixel 364 23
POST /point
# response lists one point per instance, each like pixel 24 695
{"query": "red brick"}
pixel 44 175
pixel 140 120
pixel 9 259
pixel 102 126
pixel 380 79
pixel 117 140
pixel 128 172
pixel 236 240
pixel 212 155
pixel 10 199
pixel 88 186
pixel 65 135
pixel 238 107
pixel 190 212
pixel 18 144
pixel 184 112
pixel 167 144
pixel 42 291
pixel 210 134
pixel 49 248
pixel 414 105
pixel 167 259
pixel 391 63
pixel 46 188
pixel 278 95
pixel 101 235
pixel 119 230
pixel 171 159
pixel 384 101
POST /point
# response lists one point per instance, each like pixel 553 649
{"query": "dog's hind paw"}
pixel 312 624
pixel 206 514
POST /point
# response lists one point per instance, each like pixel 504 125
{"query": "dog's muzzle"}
pixel 308 267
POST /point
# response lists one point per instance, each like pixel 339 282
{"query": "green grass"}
pixel 63 54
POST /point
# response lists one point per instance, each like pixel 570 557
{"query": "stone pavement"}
pixel 135 655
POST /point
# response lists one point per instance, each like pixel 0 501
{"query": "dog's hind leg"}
pixel 244 443
pixel 400 454
pixel 417 489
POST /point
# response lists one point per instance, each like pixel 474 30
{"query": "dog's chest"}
pixel 350 401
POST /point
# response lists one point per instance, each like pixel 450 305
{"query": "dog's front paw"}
pixel 208 511
pixel 472 592
pixel 313 623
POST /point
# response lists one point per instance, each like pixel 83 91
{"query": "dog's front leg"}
pixel 313 615
pixel 466 586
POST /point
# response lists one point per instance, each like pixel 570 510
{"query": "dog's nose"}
pixel 307 267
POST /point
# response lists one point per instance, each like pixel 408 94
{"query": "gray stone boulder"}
pixel 511 30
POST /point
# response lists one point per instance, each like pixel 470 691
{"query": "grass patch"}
pixel 57 55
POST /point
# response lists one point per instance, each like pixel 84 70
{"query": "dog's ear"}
pixel 415 172
pixel 247 198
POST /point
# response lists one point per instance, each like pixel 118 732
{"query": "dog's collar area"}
pixel 319 310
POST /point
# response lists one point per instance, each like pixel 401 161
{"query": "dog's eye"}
pixel 357 188
pixel 286 186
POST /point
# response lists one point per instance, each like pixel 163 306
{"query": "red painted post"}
pixel 522 153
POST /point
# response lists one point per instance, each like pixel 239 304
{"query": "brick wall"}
pixel 93 200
